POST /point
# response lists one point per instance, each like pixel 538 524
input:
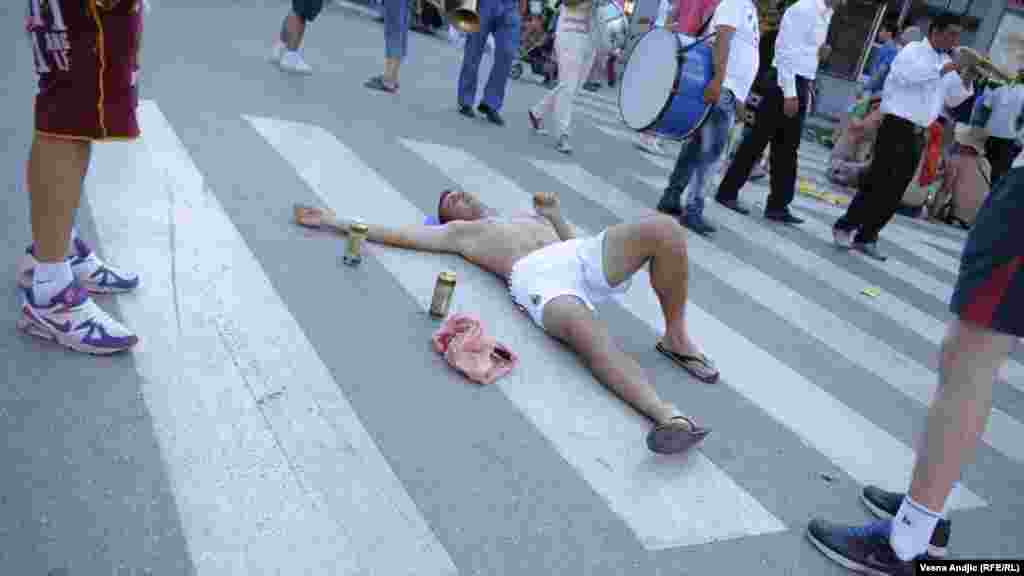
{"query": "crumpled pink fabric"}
pixel 465 346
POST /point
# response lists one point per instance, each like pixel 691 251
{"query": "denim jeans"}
pixel 700 155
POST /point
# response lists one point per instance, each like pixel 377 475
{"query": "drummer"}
pixel 735 61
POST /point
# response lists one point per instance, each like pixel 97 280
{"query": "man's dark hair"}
pixel 440 217
pixel 943 22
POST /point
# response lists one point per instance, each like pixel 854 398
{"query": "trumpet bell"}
pixel 463 15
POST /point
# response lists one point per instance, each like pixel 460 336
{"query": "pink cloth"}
pixel 462 341
pixel 692 14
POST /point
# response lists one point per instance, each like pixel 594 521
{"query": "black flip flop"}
pixel 692 364
pixel 378 83
pixel 675 435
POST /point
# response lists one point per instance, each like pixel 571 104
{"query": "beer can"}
pixel 443 289
pixel 353 249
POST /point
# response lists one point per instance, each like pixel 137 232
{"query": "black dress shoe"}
pixel 670 208
pixel 466 111
pixel 491 114
pixel 733 205
pixel 783 216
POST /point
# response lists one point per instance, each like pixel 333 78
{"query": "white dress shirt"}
pixel 744 56
pixel 1007 119
pixel 915 90
pixel 803 30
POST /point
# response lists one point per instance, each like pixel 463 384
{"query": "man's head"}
pixel 944 32
pixel 458 205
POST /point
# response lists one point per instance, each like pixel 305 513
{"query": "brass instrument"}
pixel 463 14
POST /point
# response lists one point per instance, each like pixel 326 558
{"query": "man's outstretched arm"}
pixel 412 237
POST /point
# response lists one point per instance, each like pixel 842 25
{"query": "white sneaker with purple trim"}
pixel 73 320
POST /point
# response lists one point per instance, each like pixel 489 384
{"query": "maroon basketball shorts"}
pixel 86 59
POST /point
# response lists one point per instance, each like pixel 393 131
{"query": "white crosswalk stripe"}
pixel 273 468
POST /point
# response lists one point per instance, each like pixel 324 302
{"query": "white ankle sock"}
pixel 912 529
pixel 48 279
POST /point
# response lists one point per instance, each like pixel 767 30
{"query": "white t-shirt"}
pixel 1007 119
pixel 744 53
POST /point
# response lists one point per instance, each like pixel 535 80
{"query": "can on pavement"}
pixel 353 249
pixel 443 289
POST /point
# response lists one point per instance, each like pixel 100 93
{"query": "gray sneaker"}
pixel 563 145
pixel 843 238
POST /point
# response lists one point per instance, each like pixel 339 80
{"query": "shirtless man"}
pixel 557 277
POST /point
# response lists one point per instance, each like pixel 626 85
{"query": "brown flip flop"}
pixel 700 367
pixel 677 434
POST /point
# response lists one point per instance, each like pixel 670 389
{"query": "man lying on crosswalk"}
pixel 557 277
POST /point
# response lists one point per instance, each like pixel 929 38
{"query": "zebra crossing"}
pixel 275 470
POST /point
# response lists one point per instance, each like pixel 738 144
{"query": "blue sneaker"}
pixel 95 275
pixel 73 320
pixel 863 549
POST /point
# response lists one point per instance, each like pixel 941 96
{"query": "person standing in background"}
pixel 915 91
pixel 735 61
pixel 85 59
pixel 1002 114
pixel 396 45
pixel 286 49
pixel 799 49
pixel 500 18
pixel 576 38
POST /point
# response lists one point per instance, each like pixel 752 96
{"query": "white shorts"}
pixel 574 267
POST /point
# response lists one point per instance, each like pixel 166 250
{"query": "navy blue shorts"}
pixel 308 10
pixel 990 289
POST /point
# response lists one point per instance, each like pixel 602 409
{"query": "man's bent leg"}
pixel 661 241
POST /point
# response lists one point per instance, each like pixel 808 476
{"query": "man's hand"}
pixel 546 204
pixel 713 91
pixel 949 67
pixel 790 106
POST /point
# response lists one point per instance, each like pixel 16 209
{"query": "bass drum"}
pixel 662 90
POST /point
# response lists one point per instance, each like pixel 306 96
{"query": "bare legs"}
pixel 970 361
pixel 661 241
pixel 56 170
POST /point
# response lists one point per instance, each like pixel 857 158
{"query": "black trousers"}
pixel 895 155
pixel 784 133
pixel 1000 153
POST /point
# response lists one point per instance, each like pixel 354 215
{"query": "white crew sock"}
pixel 48 279
pixel 912 529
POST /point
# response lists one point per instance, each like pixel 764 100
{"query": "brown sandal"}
pixel 700 367
pixel 677 434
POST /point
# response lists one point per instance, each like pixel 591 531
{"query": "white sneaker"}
pixel 93 274
pixel 73 320
pixel 293 62
pixel 277 52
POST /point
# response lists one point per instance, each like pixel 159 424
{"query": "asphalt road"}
pixel 285 414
